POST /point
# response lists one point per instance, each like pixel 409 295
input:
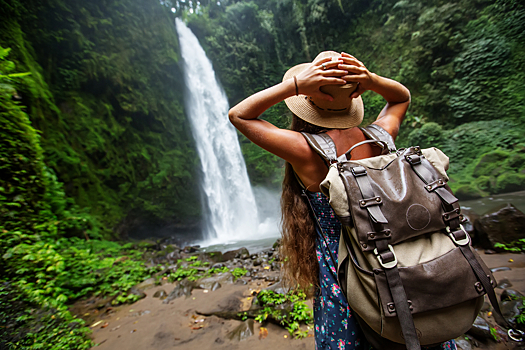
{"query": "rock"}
pixel 215 286
pixel 504 283
pixel 191 249
pixel 463 344
pixel 183 287
pixel 137 292
pixel 244 256
pixel 161 294
pixel 258 262
pixel 277 244
pixel 242 332
pixel 510 310
pixel 241 281
pixel 173 256
pixel 278 288
pixel 276 266
pixel 237 253
pixel 505 225
pixel 208 282
pixel 486 307
pixel 213 257
pixel 217 266
pixel 471 217
pixel 510 294
pixel 149 283
pixel 480 329
pixel 497 269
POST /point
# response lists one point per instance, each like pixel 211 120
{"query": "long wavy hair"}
pixel 301 268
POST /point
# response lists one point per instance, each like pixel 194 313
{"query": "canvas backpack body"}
pixel 405 263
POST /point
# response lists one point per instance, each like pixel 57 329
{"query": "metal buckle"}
pixel 388 265
pixel 515 334
pixel 463 241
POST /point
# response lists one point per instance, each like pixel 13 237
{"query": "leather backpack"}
pixel 405 263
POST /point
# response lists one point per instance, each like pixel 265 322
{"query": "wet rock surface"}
pixel 243 331
pixel 214 306
pixel 505 225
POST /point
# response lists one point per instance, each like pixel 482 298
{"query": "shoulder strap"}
pixel 323 145
pixel 375 132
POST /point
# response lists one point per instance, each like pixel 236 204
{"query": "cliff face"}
pixel 105 91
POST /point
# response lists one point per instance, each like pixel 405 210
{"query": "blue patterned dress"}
pixel 335 328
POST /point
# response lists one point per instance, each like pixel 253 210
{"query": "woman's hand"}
pixel 358 74
pixel 321 72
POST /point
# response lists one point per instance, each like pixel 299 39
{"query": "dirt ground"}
pixel 151 324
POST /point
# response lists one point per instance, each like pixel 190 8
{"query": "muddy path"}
pixel 152 324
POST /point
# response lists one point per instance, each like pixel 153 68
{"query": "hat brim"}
pixel 301 106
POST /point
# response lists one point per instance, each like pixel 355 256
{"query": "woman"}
pixel 325 97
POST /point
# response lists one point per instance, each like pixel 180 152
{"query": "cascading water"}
pixel 232 210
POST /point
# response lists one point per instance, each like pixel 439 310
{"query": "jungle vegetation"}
pixel 94 140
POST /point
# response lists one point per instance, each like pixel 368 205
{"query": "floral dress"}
pixel 335 327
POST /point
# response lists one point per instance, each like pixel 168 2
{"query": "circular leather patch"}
pixel 418 217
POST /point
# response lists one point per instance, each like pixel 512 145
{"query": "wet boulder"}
pixel 182 288
pixel 505 225
pixel 511 310
pixel 161 294
pixel 212 257
pixel 511 294
pixel 258 261
pixel 480 329
pixel 149 283
pixel 235 254
pixel 210 282
pixel 242 332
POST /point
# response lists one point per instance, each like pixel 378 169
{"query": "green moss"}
pixel 466 192
pixel 509 182
pixel 490 163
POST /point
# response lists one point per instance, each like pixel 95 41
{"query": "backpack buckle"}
pixel 461 242
pixel 358 171
pixel 413 159
pixel 515 334
pixel 389 264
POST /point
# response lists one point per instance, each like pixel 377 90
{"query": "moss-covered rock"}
pixel 490 163
pixel 510 182
pixel 465 192
pixel 484 183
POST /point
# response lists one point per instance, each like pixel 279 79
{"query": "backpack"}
pixel 405 262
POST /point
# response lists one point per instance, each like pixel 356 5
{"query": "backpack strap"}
pixel 375 132
pixel 323 145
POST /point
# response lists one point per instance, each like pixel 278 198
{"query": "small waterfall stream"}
pixel 231 207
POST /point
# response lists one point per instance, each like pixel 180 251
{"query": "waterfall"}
pixel 231 207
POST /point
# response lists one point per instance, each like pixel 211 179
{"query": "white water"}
pixel 232 213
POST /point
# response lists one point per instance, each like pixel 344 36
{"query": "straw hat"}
pixel 341 113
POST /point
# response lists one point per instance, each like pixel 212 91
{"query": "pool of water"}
pixel 482 205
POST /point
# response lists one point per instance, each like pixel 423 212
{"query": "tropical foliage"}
pixel 94 141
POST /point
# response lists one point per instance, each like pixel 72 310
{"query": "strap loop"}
pixel 459 237
pixel 391 263
pixel 359 171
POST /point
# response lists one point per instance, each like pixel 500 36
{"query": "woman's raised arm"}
pixel 284 143
pixel 396 95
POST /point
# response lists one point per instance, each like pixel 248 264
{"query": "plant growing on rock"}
pixel 292 311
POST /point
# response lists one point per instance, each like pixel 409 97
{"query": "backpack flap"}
pixel 377 196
